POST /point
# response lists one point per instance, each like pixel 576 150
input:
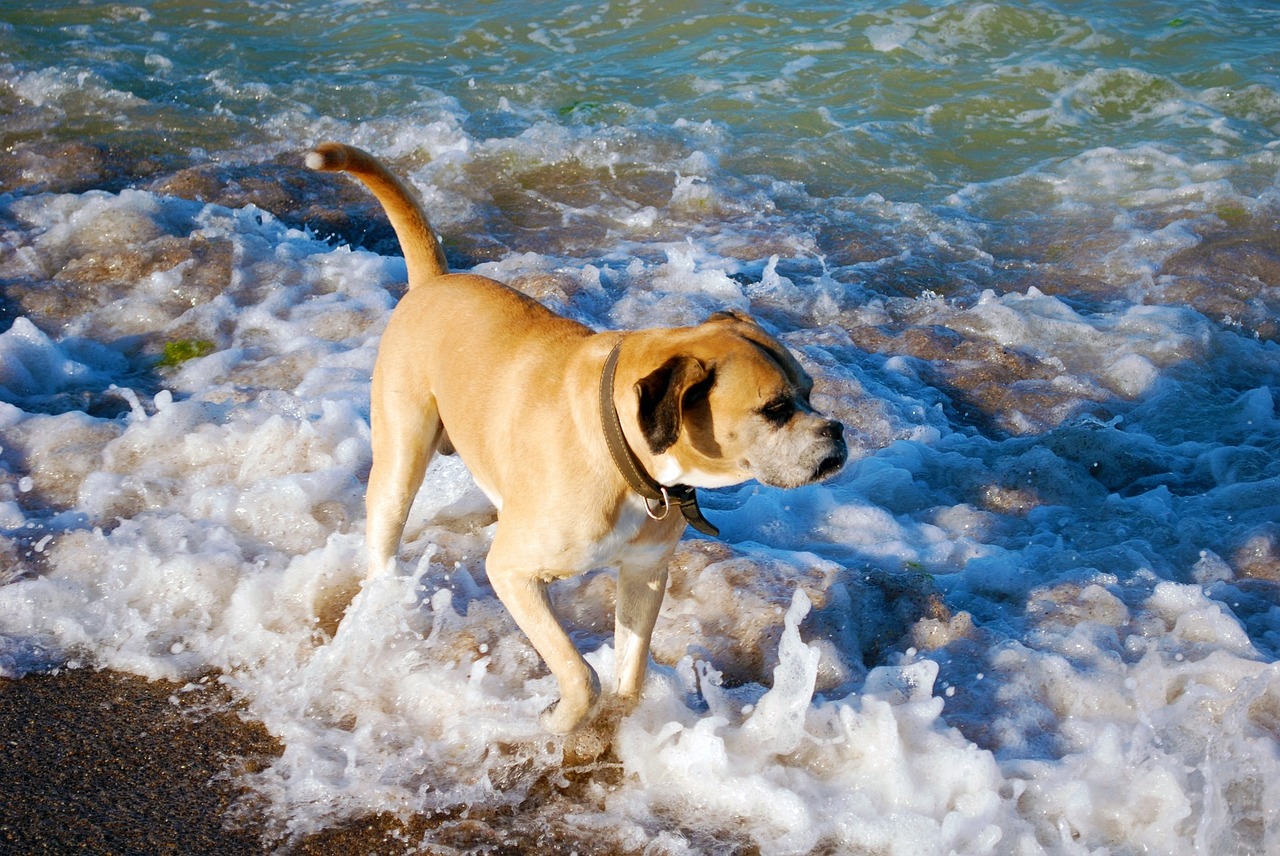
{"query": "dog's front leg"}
pixel 525 597
pixel 640 592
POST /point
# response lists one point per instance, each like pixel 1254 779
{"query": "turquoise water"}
pixel 911 101
pixel 1029 251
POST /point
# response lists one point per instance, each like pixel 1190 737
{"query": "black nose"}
pixel 834 432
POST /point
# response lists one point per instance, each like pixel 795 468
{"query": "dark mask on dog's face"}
pixel 734 405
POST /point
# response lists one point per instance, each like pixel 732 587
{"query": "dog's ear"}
pixel 665 394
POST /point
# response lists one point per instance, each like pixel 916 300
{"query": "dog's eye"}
pixel 779 411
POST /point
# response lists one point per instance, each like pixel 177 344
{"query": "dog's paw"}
pixel 562 718
pixel 573 707
pixel 592 741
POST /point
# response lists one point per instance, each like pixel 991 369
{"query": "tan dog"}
pixel 584 441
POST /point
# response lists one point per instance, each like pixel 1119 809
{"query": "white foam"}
pixel 889 37
pixel 50 86
pixel 871 771
pixel 1122 353
pixel 30 364
pixel 1097 673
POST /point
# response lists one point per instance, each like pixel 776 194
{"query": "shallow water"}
pixel 1030 253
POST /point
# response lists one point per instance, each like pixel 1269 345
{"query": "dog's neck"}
pixel 624 458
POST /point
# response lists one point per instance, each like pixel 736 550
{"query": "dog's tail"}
pixel 418 242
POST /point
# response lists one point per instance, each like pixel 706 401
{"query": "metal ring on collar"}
pixel 666 506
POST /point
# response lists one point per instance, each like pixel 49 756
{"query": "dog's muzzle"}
pixel 834 432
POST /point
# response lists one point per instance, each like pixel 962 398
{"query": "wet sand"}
pixel 110 764
pixel 105 763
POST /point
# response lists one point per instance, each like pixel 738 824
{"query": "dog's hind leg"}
pixel 405 436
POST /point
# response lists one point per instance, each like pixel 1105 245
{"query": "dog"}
pixel 591 445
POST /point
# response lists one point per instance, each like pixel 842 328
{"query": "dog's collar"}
pixel 625 460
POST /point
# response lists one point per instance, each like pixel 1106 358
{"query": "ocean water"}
pixel 1029 251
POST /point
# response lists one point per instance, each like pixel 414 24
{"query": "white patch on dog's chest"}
pixel 669 471
pixel 619 545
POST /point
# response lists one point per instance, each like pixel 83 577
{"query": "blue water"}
pixel 1029 251
pixel 909 101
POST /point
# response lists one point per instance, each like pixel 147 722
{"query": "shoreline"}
pixel 99 761
pixel 104 762
pixel 109 763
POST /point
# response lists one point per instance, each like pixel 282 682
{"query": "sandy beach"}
pixel 107 763
pixel 102 762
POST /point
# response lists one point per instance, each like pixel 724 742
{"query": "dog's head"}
pixel 726 403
